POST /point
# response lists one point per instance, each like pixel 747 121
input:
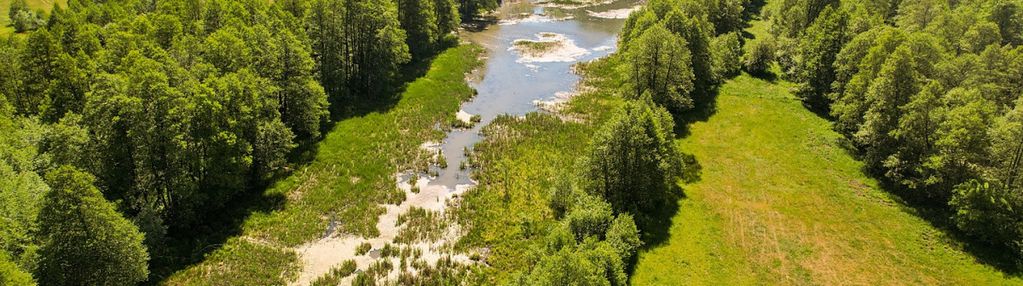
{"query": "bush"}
pixel 623 236
pixel 363 248
pixel 727 52
pixel 590 217
pixel 25 20
pixel 991 213
pixel 563 196
pixel 759 56
pixel 11 274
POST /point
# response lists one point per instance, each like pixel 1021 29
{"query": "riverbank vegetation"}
pixel 776 195
pixel 197 121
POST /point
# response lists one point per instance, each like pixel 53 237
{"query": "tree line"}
pixel 928 92
pixel 672 54
pixel 127 121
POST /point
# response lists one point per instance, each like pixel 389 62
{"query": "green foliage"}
pixel 990 212
pixel 790 17
pixel 819 46
pixel 658 68
pixel 726 50
pixel 11 274
pixel 470 9
pixel 589 217
pixel 633 161
pixel 623 236
pixel 759 56
pixel 352 63
pixel 80 230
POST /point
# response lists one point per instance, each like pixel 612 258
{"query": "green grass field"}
pixel 351 174
pixel 781 202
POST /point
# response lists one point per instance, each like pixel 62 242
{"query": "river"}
pixel 513 85
pixel 509 83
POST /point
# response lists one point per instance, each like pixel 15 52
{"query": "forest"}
pixel 133 131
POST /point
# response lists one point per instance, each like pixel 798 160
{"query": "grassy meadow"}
pixel 351 173
pixel 780 201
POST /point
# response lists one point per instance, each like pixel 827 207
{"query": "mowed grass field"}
pixel 781 202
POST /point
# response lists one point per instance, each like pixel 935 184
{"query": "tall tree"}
pixel 659 69
pixel 819 47
pixel 80 230
pixel 634 162
pixel 896 82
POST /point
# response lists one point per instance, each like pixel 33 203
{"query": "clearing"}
pixel 780 201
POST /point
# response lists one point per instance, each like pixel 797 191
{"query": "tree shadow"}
pixel 939 216
pixel 766 75
pixel 705 106
pixel 187 245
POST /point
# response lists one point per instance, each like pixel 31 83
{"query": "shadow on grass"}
pixel 940 217
pixel 704 107
pixel 187 245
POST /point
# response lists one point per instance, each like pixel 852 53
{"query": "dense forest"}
pixel 129 124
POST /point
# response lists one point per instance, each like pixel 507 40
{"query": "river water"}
pixel 511 84
pixel 508 84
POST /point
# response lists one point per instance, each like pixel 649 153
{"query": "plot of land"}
pixel 781 202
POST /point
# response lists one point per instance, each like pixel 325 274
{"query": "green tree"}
pixel 917 132
pixel 358 46
pixel 658 63
pixel 80 230
pixel 727 52
pixel 419 20
pixel 1008 16
pixel 696 32
pixel 623 236
pixel 856 67
pixel 759 56
pixel 819 46
pixel 633 161
pixel 470 9
pixel 895 84
pixel 962 145
pixel 37 61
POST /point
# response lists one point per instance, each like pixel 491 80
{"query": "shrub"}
pixel 727 52
pixel 623 236
pixel 363 248
pixel 563 196
pixel 991 213
pixel 759 56
pixel 590 216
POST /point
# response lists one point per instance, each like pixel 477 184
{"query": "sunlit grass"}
pixel 781 202
pixel 351 174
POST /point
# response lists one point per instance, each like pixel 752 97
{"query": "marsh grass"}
pixel 536 48
pixel 351 174
pixel 515 165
